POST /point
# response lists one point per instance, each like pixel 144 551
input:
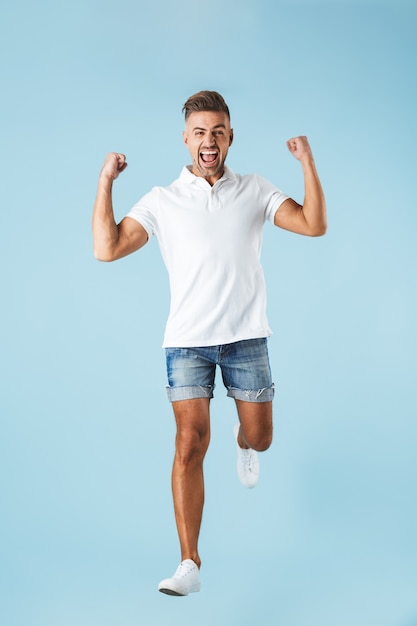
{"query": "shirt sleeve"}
pixel 145 211
pixel 272 198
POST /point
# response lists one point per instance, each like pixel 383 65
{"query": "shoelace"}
pixel 184 570
pixel 248 458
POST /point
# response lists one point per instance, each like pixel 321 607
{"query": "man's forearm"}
pixel 105 230
pixel 314 206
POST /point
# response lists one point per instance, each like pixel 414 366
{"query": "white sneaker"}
pixel 247 463
pixel 185 580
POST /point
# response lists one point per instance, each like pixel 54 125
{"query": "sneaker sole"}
pixel 170 592
pixel 173 592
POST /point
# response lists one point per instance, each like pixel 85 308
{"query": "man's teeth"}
pixel 209 156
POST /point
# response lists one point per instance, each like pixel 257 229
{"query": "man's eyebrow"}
pixel 214 127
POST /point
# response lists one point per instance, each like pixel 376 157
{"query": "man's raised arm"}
pixel 113 241
pixel 310 217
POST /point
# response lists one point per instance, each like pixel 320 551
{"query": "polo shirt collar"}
pixel 187 176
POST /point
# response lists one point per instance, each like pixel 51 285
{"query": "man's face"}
pixel 208 136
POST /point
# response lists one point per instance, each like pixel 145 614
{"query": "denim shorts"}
pixel 244 366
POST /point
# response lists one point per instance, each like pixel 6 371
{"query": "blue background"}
pixel 329 535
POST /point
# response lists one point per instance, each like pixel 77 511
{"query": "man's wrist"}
pixel 105 181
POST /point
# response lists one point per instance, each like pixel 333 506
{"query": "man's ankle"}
pixel 195 558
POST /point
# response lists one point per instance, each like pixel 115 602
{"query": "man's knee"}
pixel 256 424
pixel 260 441
pixel 191 444
pixel 193 430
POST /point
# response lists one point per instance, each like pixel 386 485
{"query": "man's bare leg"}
pixel 255 425
pixel 253 434
pixel 192 440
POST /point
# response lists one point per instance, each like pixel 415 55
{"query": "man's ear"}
pixel 231 137
pixel 185 137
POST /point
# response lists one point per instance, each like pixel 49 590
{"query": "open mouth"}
pixel 209 157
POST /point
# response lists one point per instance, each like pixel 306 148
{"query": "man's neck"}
pixel 212 180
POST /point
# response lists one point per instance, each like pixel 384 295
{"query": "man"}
pixel 209 227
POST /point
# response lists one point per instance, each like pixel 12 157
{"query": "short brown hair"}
pixel 205 101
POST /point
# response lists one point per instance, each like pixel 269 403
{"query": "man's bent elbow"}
pixel 319 231
pixel 103 255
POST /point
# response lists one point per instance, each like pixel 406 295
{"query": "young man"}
pixel 209 224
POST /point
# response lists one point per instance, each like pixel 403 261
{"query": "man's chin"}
pixel 208 172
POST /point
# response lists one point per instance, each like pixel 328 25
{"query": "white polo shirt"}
pixel 210 239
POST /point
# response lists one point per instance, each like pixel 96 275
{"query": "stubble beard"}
pixel 208 172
